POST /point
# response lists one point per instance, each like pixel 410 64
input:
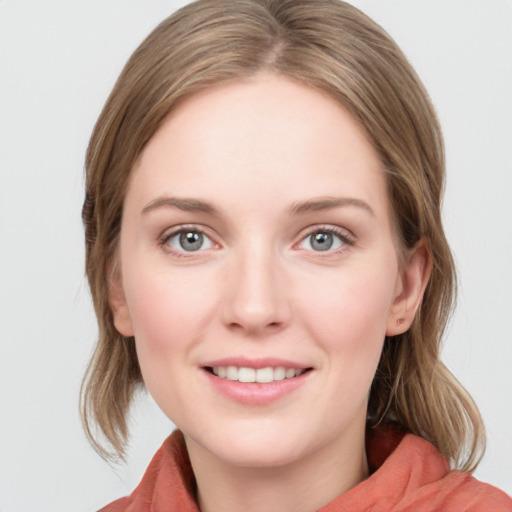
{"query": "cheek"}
pixel 349 326
pixel 350 312
pixel 168 310
pixel 169 313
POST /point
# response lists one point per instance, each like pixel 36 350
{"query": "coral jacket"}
pixel 409 476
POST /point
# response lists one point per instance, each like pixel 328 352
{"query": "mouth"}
pixel 247 374
pixel 257 381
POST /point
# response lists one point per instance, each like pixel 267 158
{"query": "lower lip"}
pixel 255 393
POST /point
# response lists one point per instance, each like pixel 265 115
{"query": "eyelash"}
pixel 168 236
pixel 346 239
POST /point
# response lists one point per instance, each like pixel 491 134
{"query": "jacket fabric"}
pixel 408 475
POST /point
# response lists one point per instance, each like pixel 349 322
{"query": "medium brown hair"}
pixel 334 48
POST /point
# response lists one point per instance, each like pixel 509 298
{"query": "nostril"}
pixel 235 326
pixel 254 325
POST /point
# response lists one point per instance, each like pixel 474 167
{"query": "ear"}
pixel 118 305
pixel 410 286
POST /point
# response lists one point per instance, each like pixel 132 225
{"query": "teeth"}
pixel 290 372
pixel 246 374
pixel 231 373
pixel 279 373
pixel 262 375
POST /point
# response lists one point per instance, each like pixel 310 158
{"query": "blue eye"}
pixel 189 240
pixel 323 240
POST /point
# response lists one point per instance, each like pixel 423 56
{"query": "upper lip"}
pixel 261 362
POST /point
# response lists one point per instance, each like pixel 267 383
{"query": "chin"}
pixel 257 456
pixel 255 446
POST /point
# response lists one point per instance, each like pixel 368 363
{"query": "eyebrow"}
pixel 327 203
pixel 297 208
pixel 185 204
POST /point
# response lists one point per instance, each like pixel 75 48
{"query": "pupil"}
pixel 321 241
pixel 191 241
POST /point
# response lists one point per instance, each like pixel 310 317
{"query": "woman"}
pixel 266 256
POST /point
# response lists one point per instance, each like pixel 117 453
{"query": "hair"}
pixel 332 47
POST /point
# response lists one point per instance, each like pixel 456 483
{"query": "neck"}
pixel 300 486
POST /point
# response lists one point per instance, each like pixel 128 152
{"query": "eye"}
pixel 324 240
pixel 188 240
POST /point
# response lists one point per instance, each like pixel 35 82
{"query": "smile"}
pixel 256 382
pixel 261 375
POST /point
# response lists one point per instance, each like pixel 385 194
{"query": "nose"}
pixel 256 299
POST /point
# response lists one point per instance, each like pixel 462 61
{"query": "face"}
pixel 258 271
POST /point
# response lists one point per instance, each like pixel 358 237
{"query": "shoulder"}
pixel 168 483
pixel 470 495
pixel 428 484
pixel 411 476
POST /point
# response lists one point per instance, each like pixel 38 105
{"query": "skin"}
pixel 253 150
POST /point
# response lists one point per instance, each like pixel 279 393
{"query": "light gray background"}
pixel 58 61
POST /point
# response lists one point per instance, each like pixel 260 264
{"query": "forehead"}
pixel 264 136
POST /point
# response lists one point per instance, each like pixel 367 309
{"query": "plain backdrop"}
pixel 58 62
